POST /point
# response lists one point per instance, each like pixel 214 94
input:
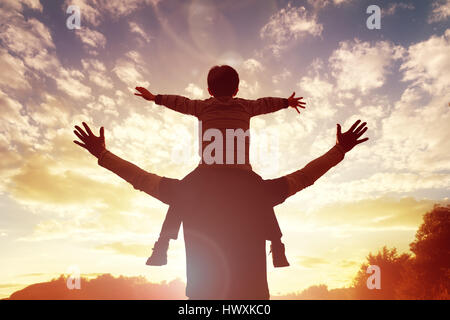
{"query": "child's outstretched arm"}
pixel 268 105
pixel 174 102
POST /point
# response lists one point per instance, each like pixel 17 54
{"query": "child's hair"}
pixel 223 81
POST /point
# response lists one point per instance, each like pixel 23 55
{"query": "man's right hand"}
pixel 95 145
pixel 349 139
pixel 144 93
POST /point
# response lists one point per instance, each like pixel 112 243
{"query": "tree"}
pixel 392 267
pixel 429 272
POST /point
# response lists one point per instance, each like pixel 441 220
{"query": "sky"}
pixel 59 210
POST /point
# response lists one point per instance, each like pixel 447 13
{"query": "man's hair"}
pixel 222 81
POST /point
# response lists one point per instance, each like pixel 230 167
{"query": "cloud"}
pixel 10 285
pixel 316 87
pixel 402 150
pixel 440 11
pixel 319 92
pixel 69 81
pixel 130 70
pixel 393 7
pixel 138 250
pixel 152 139
pixel 276 79
pixel 92 39
pixel 104 105
pixel 34 274
pixel 362 66
pixel 249 90
pixel 93 64
pixel 311 262
pixel 96 71
pixel 19 5
pixel 70 203
pixel 194 91
pixel 252 65
pixel 37 182
pixel 61 183
pixel 395 160
pixel 383 183
pixel 50 114
pixel 135 28
pixel 17 138
pixel 380 213
pixel 118 8
pixel 13 71
pixel 28 39
pixel 288 25
pixel 339 2
pixel 319 4
pixel 96 11
pixel 422 107
pixel 89 10
pixel 108 103
pixel 31 41
pixel 16 133
pixel 427 63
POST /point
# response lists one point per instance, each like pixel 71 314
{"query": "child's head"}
pixel 223 81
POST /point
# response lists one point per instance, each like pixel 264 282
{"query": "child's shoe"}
pixel 159 254
pixel 278 255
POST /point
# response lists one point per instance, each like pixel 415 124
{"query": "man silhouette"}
pixel 224 239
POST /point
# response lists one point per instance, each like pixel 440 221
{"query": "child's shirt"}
pixel 215 116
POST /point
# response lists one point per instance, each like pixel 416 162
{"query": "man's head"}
pixel 223 81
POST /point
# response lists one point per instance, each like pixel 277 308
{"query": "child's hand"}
pixel 295 102
pixel 144 93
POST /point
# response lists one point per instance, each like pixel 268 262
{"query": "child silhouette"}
pixel 221 113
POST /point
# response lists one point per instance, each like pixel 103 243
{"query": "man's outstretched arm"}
pixel 140 179
pixel 305 177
